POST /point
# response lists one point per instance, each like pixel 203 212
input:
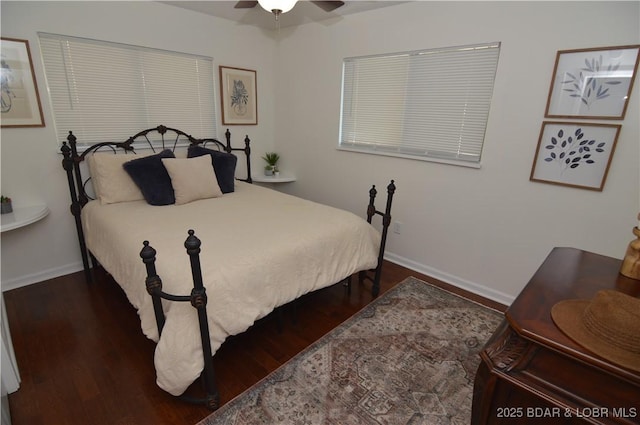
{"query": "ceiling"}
pixel 303 12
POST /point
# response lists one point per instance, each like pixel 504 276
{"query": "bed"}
pixel 249 249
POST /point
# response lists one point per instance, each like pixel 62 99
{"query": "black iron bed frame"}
pixel 198 297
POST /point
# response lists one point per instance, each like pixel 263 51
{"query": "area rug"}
pixel 409 357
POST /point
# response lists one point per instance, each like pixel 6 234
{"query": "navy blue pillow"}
pixel 152 178
pixel 224 165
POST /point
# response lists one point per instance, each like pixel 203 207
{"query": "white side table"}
pixel 282 178
pixel 23 216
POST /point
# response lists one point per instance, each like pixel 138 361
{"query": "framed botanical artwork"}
pixel 592 83
pixel 239 96
pixel 20 99
pixel 575 154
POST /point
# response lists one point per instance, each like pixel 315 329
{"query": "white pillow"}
pixel 111 182
pixel 192 178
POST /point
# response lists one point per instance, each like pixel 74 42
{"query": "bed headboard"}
pixel 157 138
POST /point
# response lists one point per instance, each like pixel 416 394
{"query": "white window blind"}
pixel 108 91
pixel 421 104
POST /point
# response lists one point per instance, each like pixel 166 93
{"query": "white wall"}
pixel 31 164
pixel 489 229
pixel 489 237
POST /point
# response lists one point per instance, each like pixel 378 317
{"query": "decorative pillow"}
pixel 224 165
pixel 111 182
pixel 152 178
pixel 192 179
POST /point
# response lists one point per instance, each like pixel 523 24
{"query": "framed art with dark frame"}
pixel 239 96
pixel 21 105
pixel 575 154
pixel 592 83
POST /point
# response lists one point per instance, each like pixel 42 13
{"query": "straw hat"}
pixel 608 324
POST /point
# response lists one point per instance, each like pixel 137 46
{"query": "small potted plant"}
pixel 5 205
pixel 271 158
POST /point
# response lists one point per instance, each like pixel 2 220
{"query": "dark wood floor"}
pixel 84 360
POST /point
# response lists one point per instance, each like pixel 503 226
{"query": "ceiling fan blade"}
pixel 245 4
pixel 328 6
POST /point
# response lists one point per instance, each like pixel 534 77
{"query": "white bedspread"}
pixel 260 249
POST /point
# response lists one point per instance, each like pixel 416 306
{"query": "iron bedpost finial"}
pixel 152 281
pixel 148 254
pixel 247 152
pixel 371 209
pixel 391 188
pixel 192 244
pixel 71 138
pixel 67 163
pixel 65 149
pixel 227 135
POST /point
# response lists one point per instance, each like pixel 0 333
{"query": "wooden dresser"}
pixel 531 372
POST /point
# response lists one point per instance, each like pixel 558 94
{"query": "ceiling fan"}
pixel 278 7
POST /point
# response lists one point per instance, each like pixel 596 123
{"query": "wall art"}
pixel 239 96
pixel 592 83
pixel 20 104
pixel 575 154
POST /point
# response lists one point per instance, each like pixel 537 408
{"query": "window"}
pixel 429 104
pixel 108 92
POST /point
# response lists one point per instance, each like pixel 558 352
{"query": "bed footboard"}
pixel 198 297
pixel 386 222
pixel 198 300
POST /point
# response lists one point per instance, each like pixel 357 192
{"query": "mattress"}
pixel 260 249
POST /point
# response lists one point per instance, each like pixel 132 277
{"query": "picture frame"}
pixel 239 96
pixel 575 154
pixel 20 106
pixel 592 83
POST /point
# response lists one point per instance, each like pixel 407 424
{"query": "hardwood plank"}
pixel 83 358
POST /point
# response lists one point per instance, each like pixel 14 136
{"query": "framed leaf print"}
pixel 239 93
pixel 575 154
pixel 592 83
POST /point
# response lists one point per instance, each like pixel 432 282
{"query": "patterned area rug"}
pixel 409 357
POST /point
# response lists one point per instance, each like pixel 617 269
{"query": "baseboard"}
pixel 41 276
pixel 472 287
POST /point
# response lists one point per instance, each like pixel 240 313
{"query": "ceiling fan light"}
pixel 282 5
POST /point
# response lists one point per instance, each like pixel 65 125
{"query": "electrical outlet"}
pixel 397 227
